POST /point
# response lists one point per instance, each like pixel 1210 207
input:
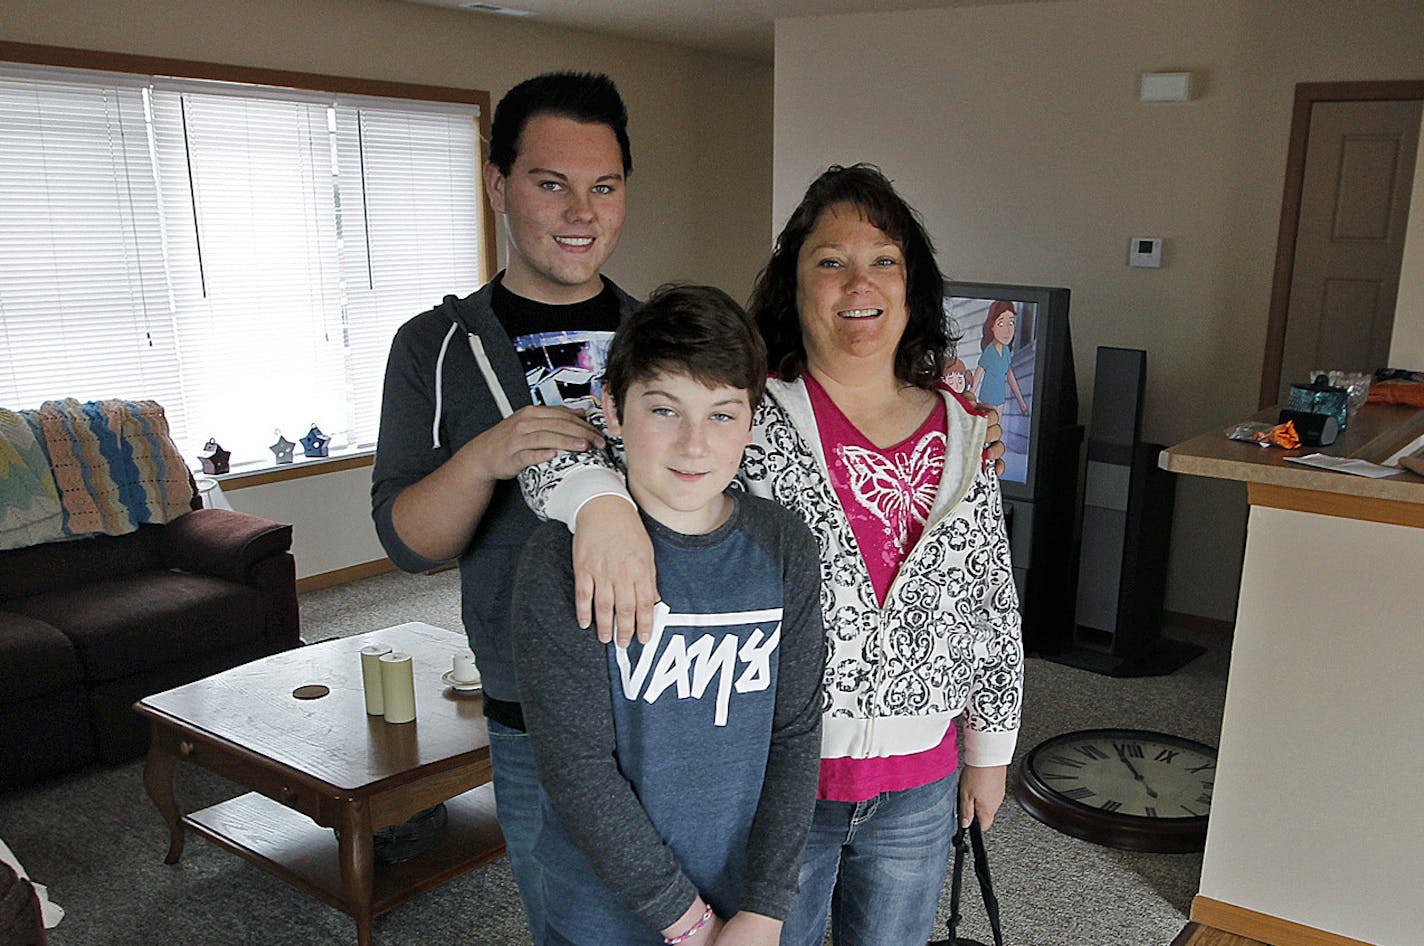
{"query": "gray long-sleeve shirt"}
pixel 688 765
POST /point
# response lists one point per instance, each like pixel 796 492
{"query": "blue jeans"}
pixel 516 795
pixel 876 867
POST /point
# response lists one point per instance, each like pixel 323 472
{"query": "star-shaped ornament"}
pixel 282 449
pixel 214 458
pixel 314 444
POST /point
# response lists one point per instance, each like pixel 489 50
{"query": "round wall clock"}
pixel 1125 788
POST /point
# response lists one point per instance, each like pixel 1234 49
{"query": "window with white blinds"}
pixel 241 254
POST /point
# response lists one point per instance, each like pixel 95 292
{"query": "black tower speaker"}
pixel 1127 529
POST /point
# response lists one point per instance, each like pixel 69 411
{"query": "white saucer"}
pixel 448 678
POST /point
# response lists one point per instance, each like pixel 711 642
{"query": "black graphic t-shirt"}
pixel 562 347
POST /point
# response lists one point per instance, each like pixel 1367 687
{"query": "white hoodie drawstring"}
pixel 439 388
pixel 477 348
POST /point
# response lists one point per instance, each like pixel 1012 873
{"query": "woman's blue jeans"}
pixel 876 867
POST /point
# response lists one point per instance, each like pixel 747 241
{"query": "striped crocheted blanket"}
pixel 30 513
pixel 72 469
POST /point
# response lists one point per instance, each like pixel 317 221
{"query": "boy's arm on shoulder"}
pixel 783 816
pixel 567 701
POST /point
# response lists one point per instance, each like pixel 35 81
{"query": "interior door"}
pixel 1343 223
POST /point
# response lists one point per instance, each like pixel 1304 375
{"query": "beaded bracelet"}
pixel 684 937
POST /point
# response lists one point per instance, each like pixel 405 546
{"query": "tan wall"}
pixel 700 125
pixel 1017 131
pixel 1406 348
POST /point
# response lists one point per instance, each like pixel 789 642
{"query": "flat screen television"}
pixel 1015 352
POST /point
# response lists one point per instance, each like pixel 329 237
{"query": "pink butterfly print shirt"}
pixel 886 493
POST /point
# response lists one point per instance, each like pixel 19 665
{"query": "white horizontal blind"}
pixel 259 315
pixel 83 304
pixel 262 249
pixel 419 210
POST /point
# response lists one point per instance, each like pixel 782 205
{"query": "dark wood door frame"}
pixel 1306 95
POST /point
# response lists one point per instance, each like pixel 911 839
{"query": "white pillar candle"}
pixel 371 677
pixel 464 669
pixel 398 687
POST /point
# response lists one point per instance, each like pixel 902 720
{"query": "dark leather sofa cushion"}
pixel 222 543
pixel 131 624
pixel 74 563
pixel 35 659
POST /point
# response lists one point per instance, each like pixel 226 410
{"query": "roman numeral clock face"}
pixel 1126 788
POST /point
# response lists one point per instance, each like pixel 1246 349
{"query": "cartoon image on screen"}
pixel 996 367
pixel 564 368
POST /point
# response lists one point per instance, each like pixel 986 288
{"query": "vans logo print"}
pixel 669 662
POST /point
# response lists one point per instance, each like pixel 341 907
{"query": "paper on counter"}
pixel 1414 448
pixel 1345 465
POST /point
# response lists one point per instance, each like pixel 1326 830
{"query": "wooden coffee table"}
pixel 318 764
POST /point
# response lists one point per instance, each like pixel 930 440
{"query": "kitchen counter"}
pixel 1373 434
pixel 1312 839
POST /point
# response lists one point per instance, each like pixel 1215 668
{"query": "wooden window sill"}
pixel 297 469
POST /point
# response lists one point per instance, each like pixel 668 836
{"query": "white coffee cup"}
pixel 463 669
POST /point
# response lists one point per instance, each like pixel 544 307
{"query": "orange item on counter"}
pixel 1281 435
pixel 1408 393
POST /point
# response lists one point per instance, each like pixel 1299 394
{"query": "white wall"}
pixel 1406 348
pixel 1314 815
pixel 700 124
pixel 330 516
pixel 1017 131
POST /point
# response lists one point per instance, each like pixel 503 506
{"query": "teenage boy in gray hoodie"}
pixel 480 387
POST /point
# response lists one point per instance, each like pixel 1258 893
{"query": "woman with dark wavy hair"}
pixel 887 465
pixel 921 615
pixel 920 358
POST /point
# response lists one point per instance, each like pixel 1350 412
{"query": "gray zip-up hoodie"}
pixel 451 375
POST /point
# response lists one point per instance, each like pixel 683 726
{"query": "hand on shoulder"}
pixel 530 435
pixel 615 579
pixel 993 437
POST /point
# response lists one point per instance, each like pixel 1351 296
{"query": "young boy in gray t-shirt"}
pixel 679 774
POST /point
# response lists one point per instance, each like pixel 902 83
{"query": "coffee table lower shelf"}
pixel 301 852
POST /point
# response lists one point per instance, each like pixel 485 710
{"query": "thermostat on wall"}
pixel 1145 252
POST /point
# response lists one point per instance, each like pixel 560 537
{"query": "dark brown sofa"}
pixel 88 626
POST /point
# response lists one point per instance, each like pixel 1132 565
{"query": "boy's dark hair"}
pixel 926 344
pixel 588 97
pixel 697 331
